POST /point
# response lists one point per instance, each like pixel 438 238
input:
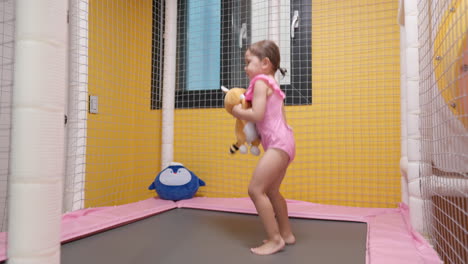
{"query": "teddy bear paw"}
pixel 255 150
pixel 243 149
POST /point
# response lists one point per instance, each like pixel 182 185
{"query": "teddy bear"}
pixel 246 133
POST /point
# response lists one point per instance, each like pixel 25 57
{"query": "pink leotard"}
pixel 273 130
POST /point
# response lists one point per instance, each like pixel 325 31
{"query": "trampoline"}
pixel 200 236
pixel 214 230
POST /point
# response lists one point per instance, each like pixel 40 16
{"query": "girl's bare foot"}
pixel 288 240
pixel 269 247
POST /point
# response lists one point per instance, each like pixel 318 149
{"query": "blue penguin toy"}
pixel 176 182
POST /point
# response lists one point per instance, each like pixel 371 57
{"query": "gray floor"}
pixel 188 236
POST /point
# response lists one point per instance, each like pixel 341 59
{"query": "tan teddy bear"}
pixel 246 133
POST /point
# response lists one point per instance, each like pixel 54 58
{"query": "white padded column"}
pixel 37 147
pixel 415 199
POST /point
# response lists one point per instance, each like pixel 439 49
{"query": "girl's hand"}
pixel 236 109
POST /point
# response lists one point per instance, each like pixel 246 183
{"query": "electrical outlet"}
pixel 93 104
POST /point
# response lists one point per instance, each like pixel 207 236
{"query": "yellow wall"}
pixel 348 139
pixel 123 140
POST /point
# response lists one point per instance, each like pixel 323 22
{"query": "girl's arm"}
pixel 257 111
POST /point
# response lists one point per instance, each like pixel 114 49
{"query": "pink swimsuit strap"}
pixel 270 81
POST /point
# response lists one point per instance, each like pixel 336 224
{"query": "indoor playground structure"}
pixel 103 101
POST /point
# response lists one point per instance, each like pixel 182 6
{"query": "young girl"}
pixel 262 61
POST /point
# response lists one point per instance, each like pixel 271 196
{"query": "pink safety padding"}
pixel 88 221
pixel 390 237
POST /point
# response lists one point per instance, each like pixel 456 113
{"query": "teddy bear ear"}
pixel 225 90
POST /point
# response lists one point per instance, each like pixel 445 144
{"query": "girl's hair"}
pixel 267 49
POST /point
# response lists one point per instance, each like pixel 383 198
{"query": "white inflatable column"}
pixel 168 103
pixel 37 138
pixel 415 199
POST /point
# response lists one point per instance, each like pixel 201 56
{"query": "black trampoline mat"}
pixel 190 236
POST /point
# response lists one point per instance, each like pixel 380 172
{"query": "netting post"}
pixel 403 106
pixel 77 107
pixel 170 44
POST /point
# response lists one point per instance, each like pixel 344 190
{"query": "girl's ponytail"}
pixel 283 71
